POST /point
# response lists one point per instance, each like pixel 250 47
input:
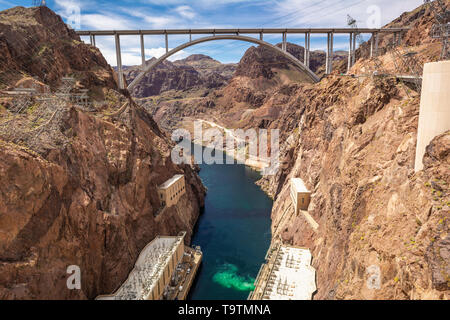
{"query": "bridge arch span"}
pixel 311 75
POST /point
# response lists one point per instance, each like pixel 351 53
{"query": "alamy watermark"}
pixel 374 19
pixel 251 147
pixel 72 13
pixel 374 277
pixel 74 280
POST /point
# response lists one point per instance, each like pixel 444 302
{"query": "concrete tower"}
pixel 434 116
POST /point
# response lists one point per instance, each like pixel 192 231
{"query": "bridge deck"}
pixel 237 31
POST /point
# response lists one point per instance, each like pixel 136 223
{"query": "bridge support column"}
pixel 119 62
pixel 307 48
pixel 372 43
pixel 376 44
pixel 167 42
pixel 142 50
pixel 327 56
pixel 394 40
pixel 331 53
pixel 354 50
pixel 261 36
pixel 284 45
pixel 350 51
pixel 190 37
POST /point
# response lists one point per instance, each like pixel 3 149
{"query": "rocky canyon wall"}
pixel 81 190
pixel 354 148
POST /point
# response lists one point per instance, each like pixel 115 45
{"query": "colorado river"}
pixel 233 232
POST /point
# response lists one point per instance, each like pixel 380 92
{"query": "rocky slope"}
pixel 36 42
pixel 416 40
pixel 196 72
pixel 353 143
pixel 261 61
pixel 78 186
pixel 207 66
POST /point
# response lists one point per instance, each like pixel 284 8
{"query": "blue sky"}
pixel 176 14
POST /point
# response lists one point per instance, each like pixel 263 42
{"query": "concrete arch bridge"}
pixel 236 34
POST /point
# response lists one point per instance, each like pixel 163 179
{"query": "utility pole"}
pixel 353 37
pixel 352 24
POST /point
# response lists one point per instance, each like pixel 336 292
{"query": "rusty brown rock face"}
pixel 91 201
pixel 91 204
pixel 36 41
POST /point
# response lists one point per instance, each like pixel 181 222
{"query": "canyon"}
pixel 85 192
pixel 352 140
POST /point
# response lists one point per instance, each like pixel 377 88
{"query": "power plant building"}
pixel 300 195
pixel 286 275
pixel 171 190
pixel 154 269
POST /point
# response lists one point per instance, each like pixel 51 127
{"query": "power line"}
pixel 335 10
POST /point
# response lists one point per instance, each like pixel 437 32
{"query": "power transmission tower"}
pixel 352 24
pixel 379 70
pixel 405 61
pixel 441 28
pixel 357 36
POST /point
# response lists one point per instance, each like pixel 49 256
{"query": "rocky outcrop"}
pixel 193 73
pixel 262 61
pixel 416 41
pixel 207 66
pixel 35 41
pixel 353 143
pixel 93 204
pixel 84 192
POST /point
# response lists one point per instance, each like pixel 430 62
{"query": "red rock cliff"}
pixel 84 191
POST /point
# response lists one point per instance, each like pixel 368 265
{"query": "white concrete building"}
pixel 300 195
pixel 287 275
pixel 153 270
pixel 171 190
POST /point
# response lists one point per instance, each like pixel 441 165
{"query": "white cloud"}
pixel 329 13
pixel 162 22
pixel 104 22
pixel 186 12
pixel 66 7
pixel 130 51
pixel 201 3
pixel 151 20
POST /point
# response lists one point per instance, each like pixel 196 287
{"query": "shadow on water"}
pixel 233 232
